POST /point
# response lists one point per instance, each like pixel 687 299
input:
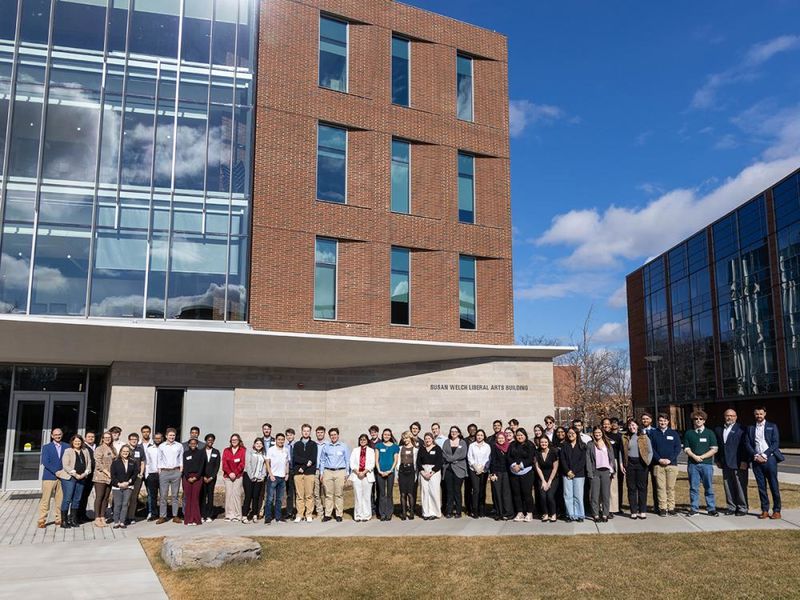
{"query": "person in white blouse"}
pixel 362 476
pixel 478 456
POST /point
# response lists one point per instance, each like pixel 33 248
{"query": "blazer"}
pixel 455 461
pixel 355 459
pixel 68 460
pixel 119 473
pixel 591 461
pixel 645 448
pixel 572 459
pixel 498 461
pixel 51 461
pixel 103 458
pixel 733 452
pixel 212 464
pixel 772 438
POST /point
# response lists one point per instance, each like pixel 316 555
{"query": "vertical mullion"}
pixel 131 8
pixel 151 206
pixel 230 164
pixel 208 115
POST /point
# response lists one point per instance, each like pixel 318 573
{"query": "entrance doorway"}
pixel 33 416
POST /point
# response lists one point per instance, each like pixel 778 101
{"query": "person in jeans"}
pixel 151 476
pixel 572 464
pixel 194 462
pixel 170 464
pixel 498 475
pixel 104 456
pixel 521 454
pixel 77 466
pixel 700 444
pixel 123 475
pixel 666 447
pixel 386 456
pixel 278 473
pixel 362 476
pixel 763 447
pixel 304 467
pixel 637 453
pixel 210 472
pixel 546 465
pixel 454 457
pixel 600 469
pixel 233 463
pixel 407 475
pixel 253 479
pixel 479 455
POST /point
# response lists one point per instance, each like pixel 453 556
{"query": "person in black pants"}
pixel 521 455
pixel 637 454
pixel 547 470
pixel 291 493
pixel 407 475
pixel 479 455
pixel 89 444
pixel 498 469
pixel 209 479
pixel 454 457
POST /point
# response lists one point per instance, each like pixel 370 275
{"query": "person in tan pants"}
pixel 304 466
pixel 51 461
pixel 334 467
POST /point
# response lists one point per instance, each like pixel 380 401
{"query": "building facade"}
pixel 715 316
pixel 226 212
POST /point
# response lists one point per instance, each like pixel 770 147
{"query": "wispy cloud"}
pixel 746 70
pixel 611 333
pixel 524 113
pixel 619 299
pixel 642 138
pixel 726 142
pixel 562 285
pixel 650 188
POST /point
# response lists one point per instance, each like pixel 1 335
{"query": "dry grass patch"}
pixel 690 565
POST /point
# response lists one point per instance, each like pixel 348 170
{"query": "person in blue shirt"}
pixel 52 455
pixel 387 453
pixel 666 447
pixel 334 467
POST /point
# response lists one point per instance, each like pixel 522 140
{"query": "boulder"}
pixel 208 551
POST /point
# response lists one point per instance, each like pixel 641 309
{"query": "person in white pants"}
pixel 362 474
pixel 429 465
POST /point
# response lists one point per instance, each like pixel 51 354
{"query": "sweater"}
pixel 302 454
pixel 666 444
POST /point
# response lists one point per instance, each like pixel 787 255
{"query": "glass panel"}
pixel 70 142
pixel 332 164
pixel 401 155
pixel 220 132
pixel 8 26
pixel 246 42
pixel 464 87
pixel 120 262
pixel 15 262
pixel 5 88
pixel 325 279
pixel 190 151
pixel 28 436
pixel 60 270
pixel 80 24
pixel 466 188
pixel 466 292
pixel 96 399
pixel 197 278
pixel 154 28
pixel 50 379
pixel 165 130
pixel 118 25
pixel 25 128
pixel 65 417
pixel 400 286
pixel 35 21
pixel 237 280
pixel 156 281
pixel 400 71
pixel 333 54
pixel 242 151
pixel 169 410
pixel 223 51
pixel 5 405
pixel 196 31
pixel 112 125
pixel 137 147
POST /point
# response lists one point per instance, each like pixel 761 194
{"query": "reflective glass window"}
pixel 220 132
pixel 27 121
pixel 223 51
pixel 786 197
pixel 466 188
pixel 197 277
pixel 237 279
pixel 401 72
pixel 331 163
pixel 137 144
pixel 118 25
pixel 35 21
pixel 464 87
pixel 678 267
pixel 8 24
pixel 190 150
pixel 401 180
pixel 725 237
pixel 697 251
pixel 246 39
pixel 157 277
pixel 165 131
pixel 5 90
pixel 325 278
pixel 197 31
pixel 15 261
pixel 242 151
pixel 120 262
pixel 154 27
pixel 70 142
pixel 80 24
pixel 400 286
pixel 332 53
pixel 466 292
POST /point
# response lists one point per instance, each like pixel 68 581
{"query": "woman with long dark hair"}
pixel 572 464
pixel 600 468
pixel 362 476
pixel 454 456
pixel 547 471
pixel 521 454
pixel 386 457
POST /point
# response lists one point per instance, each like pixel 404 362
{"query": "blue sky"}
pixel 634 124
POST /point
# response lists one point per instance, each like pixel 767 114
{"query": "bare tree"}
pixel 538 340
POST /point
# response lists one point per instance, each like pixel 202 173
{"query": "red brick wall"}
pixel 287 216
pixel 634 284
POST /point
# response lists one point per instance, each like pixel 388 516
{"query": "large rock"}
pixel 208 551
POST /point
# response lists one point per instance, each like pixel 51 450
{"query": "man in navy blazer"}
pixel 763 441
pixel 52 454
pixel 734 461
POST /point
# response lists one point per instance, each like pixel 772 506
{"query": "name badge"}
pixel 340 452
pixel 214 455
pixel 703 439
pixel 612 442
pixel 383 449
pixel 136 454
pixel 670 438
pixel 189 457
pixel 236 460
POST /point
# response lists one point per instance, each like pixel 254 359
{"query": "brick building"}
pixel 222 213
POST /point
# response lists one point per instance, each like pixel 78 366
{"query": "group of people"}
pixel 557 472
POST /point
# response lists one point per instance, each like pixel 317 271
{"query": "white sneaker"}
pixel 245 520
pixel 228 519
pixel 528 518
pixel 309 518
pixel 298 518
pixel 519 517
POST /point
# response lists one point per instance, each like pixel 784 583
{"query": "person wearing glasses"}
pixel 700 445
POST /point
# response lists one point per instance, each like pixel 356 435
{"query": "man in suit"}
pixel 733 460
pixel 139 458
pixel 89 443
pixel 52 454
pixel 209 479
pixel 763 441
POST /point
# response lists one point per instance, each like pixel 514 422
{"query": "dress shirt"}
pixel 118 444
pixel 269 442
pixel 550 434
pixel 586 438
pixel 278 458
pixel 761 440
pixel 725 431
pixel 478 456
pixel 59 448
pixel 440 440
pixel 601 458
pixel 151 462
pixel 334 456
pixel 170 456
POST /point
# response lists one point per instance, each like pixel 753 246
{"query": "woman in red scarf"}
pixel 362 467
pixel 498 475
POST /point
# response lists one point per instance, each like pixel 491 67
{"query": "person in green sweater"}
pixel 700 445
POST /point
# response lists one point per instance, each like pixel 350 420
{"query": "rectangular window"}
pixel 401 180
pixel 169 410
pixel 401 282
pixel 464 87
pixel 466 291
pixel 331 164
pixel 466 188
pixel 401 73
pixel 332 53
pixel 325 278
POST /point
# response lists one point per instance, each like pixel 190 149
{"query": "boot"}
pixel 403 507
pixel 65 524
pixel 73 520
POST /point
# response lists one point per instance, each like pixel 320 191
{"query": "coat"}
pixel 733 452
pixel 355 459
pixel 455 461
pixel 591 462
pixel 103 457
pixel 645 448
pixel 68 461
pixel 771 436
pixel 51 461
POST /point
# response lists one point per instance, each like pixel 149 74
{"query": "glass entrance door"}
pixel 33 417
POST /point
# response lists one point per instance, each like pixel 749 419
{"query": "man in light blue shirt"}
pixel 440 439
pixel 334 467
pixel 319 492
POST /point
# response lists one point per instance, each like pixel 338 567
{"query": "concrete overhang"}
pixel 54 340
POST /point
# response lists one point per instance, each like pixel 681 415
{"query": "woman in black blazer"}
pixel 123 474
pixel 521 455
pixel 498 475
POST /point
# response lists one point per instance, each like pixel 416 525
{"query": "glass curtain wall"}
pixel 126 138
pixel 787 223
pixel 657 332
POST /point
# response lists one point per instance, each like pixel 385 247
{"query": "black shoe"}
pixel 338 519
pixel 610 516
pixel 579 520
pixel 65 524
pixel 730 513
pixel 267 521
pixel 713 513
pixel 692 513
pixel 662 513
pixel 740 513
pixel 402 517
pixel 458 515
pixel 448 516
pixel 672 512
pixel 325 519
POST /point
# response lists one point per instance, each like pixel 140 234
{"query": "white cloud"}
pixel 650 188
pixel 524 113
pixel 619 299
pixel 745 70
pixel 572 284
pixel 611 333
pixel 727 142
pixel 780 127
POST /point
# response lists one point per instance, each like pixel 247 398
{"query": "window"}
pixel 401 183
pixel 466 291
pixel 169 410
pixel 401 92
pixel 401 282
pixel 325 279
pixel 332 164
pixel 466 188
pixel 464 88
pixel 333 54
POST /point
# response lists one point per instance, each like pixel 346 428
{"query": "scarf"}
pixel 503 447
pixel 362 461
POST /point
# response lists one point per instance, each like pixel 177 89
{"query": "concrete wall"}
pixel 450 392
